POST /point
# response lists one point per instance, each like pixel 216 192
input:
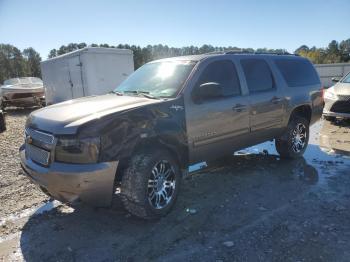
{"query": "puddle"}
pixel 33 211
pixel 328 151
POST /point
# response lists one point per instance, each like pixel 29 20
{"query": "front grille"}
pixel 37 154
pixel 341 107
pixel 40 136
pixel 39 145
pixel 21 95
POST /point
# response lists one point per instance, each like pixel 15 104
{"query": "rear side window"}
pixel 297 72
pixel 223 72
pixel 258 75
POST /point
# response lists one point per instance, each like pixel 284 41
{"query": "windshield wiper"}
pixel 142 93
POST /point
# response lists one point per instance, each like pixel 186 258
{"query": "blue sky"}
pixel 245 23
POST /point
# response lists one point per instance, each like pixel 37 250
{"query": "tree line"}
pixel 334 53
pixel 17 63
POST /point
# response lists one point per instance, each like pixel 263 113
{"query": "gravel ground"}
pixel 253 206
pixel 16 193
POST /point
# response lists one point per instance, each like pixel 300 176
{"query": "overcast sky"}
pixel 48 24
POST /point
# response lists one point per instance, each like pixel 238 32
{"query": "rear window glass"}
pixel 297 72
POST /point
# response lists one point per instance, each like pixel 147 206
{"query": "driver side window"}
pixel 225 74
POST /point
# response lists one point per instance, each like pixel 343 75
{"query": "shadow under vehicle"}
pixel 22 92
pixel 270 208
pixel 87 234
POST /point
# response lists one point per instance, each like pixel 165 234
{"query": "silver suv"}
pixel 167 115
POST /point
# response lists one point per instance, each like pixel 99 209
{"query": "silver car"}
pixel 337 99
pixel 23 91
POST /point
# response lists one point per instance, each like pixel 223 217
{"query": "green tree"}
pixel 52 53
pixel 33 60
pixel 344 48
pixel 12 63
pixel 303 48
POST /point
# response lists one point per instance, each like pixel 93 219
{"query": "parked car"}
pixel 167 115
pixel 22 92
pixel 337 99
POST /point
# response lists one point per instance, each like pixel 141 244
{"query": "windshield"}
pixel 36 80
pixel 23 80
pixel 346 79
pixel 12 81
pixel 158 79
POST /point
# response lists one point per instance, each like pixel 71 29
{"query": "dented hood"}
pixel 66 117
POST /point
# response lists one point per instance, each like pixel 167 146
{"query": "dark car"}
pixel 167 115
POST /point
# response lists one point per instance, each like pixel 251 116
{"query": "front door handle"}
pixel 239 108
pixel 276 100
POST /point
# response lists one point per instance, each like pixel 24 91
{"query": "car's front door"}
pixel 215 125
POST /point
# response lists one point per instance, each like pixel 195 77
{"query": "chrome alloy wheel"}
pixel 161 184
pixel 299 136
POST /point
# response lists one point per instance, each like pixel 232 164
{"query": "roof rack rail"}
pixel 238 52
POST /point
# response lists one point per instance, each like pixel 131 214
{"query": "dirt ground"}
pixel 252 206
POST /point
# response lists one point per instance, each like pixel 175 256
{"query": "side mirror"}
pixel 207 91
pixel 335 79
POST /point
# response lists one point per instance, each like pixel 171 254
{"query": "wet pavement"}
pixel 252 206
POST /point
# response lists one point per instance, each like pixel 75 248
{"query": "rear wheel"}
pixel 294 142
pixel 150 184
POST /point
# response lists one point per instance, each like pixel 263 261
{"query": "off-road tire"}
pixel 284 144
pixel 134 183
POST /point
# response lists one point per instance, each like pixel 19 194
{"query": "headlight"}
pixel 78 151
pixel 330 95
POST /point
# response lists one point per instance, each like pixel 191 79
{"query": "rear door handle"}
pixel 239 108
pixel 276 100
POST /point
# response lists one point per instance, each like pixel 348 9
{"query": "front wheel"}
pixel 150 184
pixel 294 142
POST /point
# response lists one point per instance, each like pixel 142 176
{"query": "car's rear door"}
pixel 267 101
pixel 215 126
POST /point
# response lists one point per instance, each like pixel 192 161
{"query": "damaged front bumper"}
pixel 337 108
pixel 89 183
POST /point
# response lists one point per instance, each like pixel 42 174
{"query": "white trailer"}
pixel 85 72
